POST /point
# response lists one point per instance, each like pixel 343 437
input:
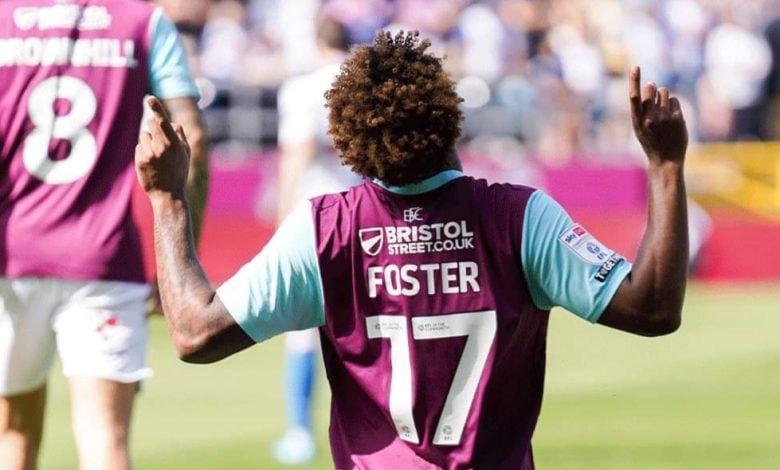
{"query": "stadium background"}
pixel 544 89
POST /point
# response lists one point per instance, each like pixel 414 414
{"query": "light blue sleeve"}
pixel 169 71
pixel 566 266
pixel 280 289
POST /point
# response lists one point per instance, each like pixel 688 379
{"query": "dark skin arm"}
pixel 185 112
pixel 201 328
pixel 649 302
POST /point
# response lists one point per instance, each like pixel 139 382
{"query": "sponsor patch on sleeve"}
pixel 609 265
pixel 582 243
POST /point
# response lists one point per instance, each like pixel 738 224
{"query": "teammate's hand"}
pixel 658 121
pixel 162 156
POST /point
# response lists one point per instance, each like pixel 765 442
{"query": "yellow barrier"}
pixel 742 174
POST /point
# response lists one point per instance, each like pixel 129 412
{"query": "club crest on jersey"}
pixel 412 215
pixel 582 243
pixel 371 240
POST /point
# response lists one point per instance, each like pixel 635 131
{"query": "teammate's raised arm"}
pixel 201 328
pixel 649 302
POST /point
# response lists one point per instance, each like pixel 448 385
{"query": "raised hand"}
pixel 162 155
pixel 658 121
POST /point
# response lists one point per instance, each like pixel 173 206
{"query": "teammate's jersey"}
pixel 74 74
pixel 433 302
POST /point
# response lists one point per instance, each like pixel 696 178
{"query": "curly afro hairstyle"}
pixel 394 111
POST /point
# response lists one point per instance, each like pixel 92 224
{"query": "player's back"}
pixel 433 347
pixel 74 74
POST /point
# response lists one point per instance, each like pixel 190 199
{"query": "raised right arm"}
pixel 201 327
pixel 185 111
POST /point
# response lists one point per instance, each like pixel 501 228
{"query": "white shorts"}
pixel 98 328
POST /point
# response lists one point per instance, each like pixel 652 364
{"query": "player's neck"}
pixel 453 162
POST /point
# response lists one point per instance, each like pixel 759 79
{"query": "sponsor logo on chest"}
pixel 454 277
pixel 426 238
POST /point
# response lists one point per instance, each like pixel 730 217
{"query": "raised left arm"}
pixel 649 302
pixel 201 328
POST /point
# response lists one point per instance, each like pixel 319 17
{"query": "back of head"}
pixel 331 33
pixel 394 111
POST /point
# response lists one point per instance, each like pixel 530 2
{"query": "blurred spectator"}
pixel 292 23
pixel 224 41
pixel 548 73
pixel 361 17
pixel 189 17
pixel 483 39
pixel 771 118
pixel 737 60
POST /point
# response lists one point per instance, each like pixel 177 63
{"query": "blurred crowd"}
pixel 540 77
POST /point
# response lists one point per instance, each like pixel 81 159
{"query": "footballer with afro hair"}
pixel 423 265
pixel 394 112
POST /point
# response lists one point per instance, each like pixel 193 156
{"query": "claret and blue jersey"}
pixel 432 301
pixel 74 76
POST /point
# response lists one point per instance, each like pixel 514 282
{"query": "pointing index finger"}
pixel 160 113
pixel 157 108
pixel 634 94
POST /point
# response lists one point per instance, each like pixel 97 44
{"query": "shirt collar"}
pixel 428 184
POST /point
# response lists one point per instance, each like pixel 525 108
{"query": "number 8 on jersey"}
pixel 71 126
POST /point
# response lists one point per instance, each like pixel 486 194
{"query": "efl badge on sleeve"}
pixel 582 243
